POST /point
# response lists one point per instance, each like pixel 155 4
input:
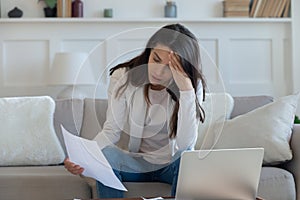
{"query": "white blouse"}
pixel 129 113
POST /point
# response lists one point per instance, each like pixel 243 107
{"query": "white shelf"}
pixel 115 20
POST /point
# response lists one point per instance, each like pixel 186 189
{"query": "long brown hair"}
pixel 184 43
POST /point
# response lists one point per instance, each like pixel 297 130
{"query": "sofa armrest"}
pixel 294 165
pixel 92 183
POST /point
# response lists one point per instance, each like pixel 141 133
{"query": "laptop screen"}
pixel 219 174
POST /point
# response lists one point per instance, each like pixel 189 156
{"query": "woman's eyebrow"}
pixel 157 56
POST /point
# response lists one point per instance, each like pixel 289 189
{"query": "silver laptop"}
pixel 219 174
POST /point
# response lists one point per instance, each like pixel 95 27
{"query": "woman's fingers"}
pixel 175 62
pixel 72 167
pixel 180 77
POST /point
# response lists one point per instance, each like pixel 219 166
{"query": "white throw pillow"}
pixel 269 126
pixel 218 108
pixel 27 135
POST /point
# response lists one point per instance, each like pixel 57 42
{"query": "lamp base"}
pixel 71 92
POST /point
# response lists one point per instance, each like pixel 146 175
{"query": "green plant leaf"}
pixel 297 120
pixel 50 3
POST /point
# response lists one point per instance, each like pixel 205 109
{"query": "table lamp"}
pixel 73 70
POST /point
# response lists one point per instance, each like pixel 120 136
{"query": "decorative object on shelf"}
pixel 170 9
pixel 72 70
pixel 50 12
pixel 50 9
pixel 15 13
pixel 64 8
pixel 77 8
pixel 236 8
pixel 108 12
pixel 297 120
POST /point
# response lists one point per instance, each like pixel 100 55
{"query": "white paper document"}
pixel 156 198
pixel 88 155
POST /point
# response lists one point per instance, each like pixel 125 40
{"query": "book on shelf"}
pixel 261 8
pixel 236 14
pixel 270 8
pixel 236 8
pixel 253 7
pixel 64 8
pixel 238 1
pixel 273 9
pixel 287 9
pixel 281 8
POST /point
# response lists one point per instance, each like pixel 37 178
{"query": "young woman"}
pixel 156 99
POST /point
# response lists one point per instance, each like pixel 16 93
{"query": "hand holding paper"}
pixel 88 155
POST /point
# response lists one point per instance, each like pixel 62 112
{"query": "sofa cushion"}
pixel 69 113
pixel 269 126
pixel 27 136
pixel 218 108
pixel 94 117
pixel 244 104
pixel 276 184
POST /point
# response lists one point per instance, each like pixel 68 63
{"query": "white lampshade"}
pixel 71 69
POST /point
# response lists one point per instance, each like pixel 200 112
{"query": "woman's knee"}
pixel 114 156
pixel 112 152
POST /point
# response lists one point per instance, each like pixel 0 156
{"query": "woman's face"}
pixel 158 66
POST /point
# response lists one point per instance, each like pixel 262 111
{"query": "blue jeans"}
pixel 130 168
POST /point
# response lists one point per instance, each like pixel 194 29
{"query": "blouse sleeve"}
pixel 188 122
pixel 115 115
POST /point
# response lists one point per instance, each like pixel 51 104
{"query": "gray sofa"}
pixel 86 117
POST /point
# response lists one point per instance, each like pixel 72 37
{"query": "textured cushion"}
pixel 69 113
pixel 27 136
pixel 218 108
pixel 269 126
pixel 276 184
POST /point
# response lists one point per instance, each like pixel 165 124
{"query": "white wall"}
pixel 253 56
pixel 250 63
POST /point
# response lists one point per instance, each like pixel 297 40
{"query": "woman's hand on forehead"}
pixel 181 79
